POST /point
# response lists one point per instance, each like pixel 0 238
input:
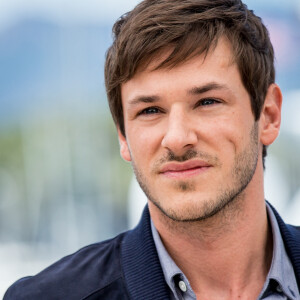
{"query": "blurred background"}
pixel 63 184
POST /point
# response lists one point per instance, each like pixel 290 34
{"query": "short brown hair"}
pixel 189 27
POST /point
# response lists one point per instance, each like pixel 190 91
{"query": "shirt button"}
pixel 182 285
pixel 279 289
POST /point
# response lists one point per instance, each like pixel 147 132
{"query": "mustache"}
pixel 189 154
pixel 186 156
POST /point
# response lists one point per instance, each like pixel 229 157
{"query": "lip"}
pixel 184 169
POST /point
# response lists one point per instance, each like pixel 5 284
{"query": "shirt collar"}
pixel 281 270
pixel 169 267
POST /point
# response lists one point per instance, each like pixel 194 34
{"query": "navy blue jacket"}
pixel 125 267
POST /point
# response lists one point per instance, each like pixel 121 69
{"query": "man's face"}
pixel 190 134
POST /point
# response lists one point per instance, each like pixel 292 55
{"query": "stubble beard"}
pixel 242 172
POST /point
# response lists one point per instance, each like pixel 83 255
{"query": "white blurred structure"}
pixel 136 203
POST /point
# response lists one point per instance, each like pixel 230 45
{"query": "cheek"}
pixel 229 134
pixel 144 142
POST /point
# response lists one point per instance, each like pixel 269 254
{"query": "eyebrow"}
pixel 193 91
pixel 206 88
pixel 144 99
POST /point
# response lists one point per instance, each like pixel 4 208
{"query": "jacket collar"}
pixel 142 271
pixel 291 238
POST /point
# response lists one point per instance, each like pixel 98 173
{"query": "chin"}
pixel 182 210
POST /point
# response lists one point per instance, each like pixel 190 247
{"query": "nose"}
pixel 180 135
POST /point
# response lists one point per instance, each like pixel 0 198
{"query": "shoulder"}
pixel 89 271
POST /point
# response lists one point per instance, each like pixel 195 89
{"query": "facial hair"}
pixel 242 172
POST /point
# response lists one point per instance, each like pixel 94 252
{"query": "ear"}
pixel 124 149
pixel 271 115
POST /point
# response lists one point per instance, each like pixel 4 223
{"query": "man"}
pixel 191 87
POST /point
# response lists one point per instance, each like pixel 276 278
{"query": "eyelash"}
pixel 211 100
pixel 147 110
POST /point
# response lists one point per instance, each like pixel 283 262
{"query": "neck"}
pixel 224 256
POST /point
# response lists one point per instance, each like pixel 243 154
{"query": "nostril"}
pixel 179 143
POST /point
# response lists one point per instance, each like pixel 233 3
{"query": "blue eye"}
pixel 150 111
pixel 207 101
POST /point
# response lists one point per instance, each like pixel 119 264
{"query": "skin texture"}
pixel 196 152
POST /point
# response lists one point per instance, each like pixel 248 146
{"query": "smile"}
pixel 184 170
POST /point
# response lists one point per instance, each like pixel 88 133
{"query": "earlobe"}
pixel 124 149
pixel 271 115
